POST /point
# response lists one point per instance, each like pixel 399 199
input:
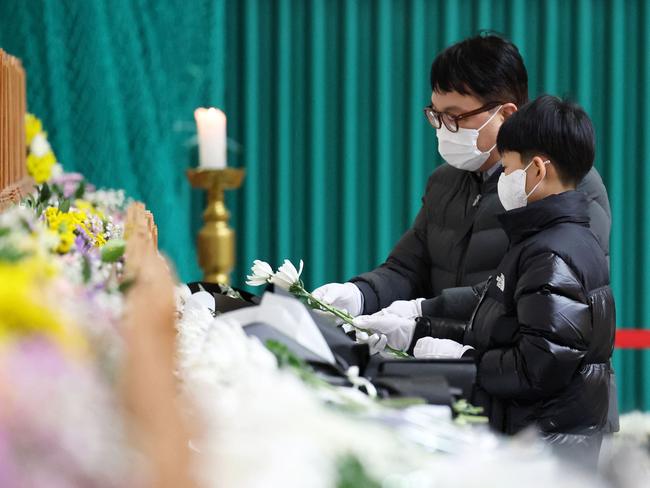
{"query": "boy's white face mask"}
pixel 459 149
pixel 512 188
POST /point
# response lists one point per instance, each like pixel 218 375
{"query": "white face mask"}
pixel 459 149
pixel 512 188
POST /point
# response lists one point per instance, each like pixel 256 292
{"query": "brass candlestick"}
pixel 216 241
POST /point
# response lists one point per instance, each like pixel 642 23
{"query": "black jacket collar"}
pixel 521 223
pixel 490 183
pixel 487 185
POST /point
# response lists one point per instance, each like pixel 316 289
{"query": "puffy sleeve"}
pixel 553 335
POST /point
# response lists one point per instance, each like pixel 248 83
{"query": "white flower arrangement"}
pixel 288 278
pixel 262 426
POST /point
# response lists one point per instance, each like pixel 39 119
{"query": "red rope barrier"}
pixel 632 339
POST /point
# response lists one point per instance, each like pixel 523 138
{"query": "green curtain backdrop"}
pixel 116 83
pixel 324 101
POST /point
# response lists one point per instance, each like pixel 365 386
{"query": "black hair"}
pixel 486 66
pixel 558 129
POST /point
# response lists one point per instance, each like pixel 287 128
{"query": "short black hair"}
pixel 486 66
pixel 558 129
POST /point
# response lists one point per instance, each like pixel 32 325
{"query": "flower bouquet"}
pixel 287 277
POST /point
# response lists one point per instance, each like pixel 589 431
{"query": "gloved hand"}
pixel 408 309
pixel 430 347
pixel 376 342
pixel 344 296
pixel 398 330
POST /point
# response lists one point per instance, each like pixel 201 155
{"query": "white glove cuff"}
pixel 418 306
pixel 356 299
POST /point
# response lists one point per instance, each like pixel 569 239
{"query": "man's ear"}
pixel 508 109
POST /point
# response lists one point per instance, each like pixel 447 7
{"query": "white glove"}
pixel 376 342
pixel 430 347
pixel 408 309
pixel 344 296
pixel 398 330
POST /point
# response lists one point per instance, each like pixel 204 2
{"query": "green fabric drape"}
pixel 326 99
pixel 116 83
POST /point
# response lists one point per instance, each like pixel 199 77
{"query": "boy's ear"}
pixel 540 166
pixel 508 109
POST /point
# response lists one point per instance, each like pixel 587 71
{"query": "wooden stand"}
pixel 12 122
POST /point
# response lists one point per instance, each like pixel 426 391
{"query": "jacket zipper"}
pixel 461 269
pixel 480 302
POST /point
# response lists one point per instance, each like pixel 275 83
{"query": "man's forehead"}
pixel 453 101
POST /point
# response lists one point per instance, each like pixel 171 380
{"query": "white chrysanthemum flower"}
pixel 57 171
pixel 40 145
pixel 287 275
pixel 262 273
pixel 15 216
pixel 181 294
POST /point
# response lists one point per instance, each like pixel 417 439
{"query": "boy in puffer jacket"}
pixel 543 329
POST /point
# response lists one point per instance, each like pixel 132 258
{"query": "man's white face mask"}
pixel 512 188
pixel 459 149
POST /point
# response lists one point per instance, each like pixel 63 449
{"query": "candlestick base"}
pixel 216 240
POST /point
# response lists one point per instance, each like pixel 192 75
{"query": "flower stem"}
pixel 299 291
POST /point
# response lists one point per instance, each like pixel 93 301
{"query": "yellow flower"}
pixel 78 216
pixel 32 127
pixel 40 167
pixel 89 208
pixel 51 213
pixel 56 220
pixel 66 240
pixel 40 158
pixel 100 240
pixel 23 309
pixel 65 225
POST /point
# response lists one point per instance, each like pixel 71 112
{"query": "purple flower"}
pixel 82 243
pixel 52 420
pixel 9 474
pixel 69 182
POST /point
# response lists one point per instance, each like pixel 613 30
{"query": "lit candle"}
pixel 211 129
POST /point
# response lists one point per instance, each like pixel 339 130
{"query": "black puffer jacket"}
pixel 544 327
pixel 456 239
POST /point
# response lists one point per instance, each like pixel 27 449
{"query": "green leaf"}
pixel 287 359
pixel 57 190
pixel 44 193
pixel 401 402
pixel 25 225
pixel 463 406
pixel 86 270
pixel 4 231
pixel 126 285
pixel 64 206
pixel 29 201
pixel 228 291
pixel 113 250
pixel 10 254
pixel 466 413
pixel 352 474
pixel 81 190
pixel 284 356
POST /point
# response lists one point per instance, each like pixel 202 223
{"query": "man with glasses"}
pixel 456 239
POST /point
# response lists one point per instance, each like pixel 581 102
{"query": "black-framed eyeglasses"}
pixel 436 119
